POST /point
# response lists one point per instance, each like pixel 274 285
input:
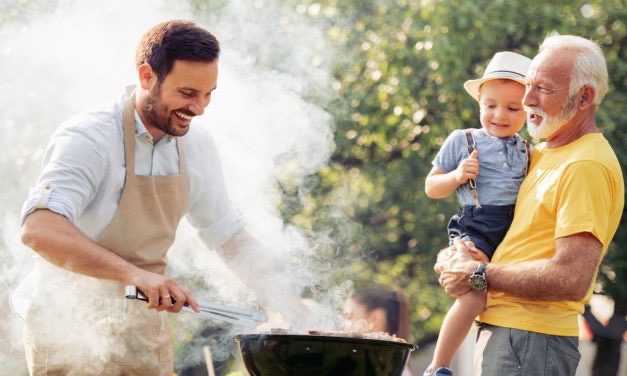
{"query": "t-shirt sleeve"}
pixel 452 152
pixel 584 200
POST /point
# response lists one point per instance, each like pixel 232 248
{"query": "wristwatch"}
pixel 478 279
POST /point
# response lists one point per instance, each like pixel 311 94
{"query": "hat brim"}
pixel 472 86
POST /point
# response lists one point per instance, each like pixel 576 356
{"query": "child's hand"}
pixel 468 168
pixel 476 254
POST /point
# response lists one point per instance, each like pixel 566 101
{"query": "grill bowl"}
pixel 313 355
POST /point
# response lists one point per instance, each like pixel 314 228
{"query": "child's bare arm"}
pixel 440 184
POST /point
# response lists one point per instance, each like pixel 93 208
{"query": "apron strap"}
pixel 129 135
pixel 129 139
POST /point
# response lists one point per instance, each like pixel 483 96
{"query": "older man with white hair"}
pixel 567 211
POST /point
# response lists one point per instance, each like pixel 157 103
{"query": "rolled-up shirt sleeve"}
pixel 72 169
pixel 210 211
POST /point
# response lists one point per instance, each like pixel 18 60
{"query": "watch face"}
pixel 478 282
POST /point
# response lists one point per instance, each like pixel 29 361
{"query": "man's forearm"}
pixel 566 276
pixel 261 271
pixel 59 242
pixel 531 280
pixel 245 256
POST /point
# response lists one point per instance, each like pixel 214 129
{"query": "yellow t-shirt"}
pixel 571 189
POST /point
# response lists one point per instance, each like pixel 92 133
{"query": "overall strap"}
pixel 528 148
pixel 471 184
pixel 470 141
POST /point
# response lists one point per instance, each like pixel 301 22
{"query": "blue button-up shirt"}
pixel 503 165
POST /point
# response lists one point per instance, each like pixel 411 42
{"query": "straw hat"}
pixel 504 65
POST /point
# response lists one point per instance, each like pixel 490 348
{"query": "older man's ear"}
pixel 586 101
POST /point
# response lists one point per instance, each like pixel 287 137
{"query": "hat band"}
pixel 506 71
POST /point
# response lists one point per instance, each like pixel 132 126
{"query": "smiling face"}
pixel 548 100
pixel 501 112
pixel 168 107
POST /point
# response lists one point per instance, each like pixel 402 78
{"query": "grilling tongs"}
pixel 234 315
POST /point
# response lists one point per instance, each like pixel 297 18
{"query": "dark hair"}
pixel 392 301
pixel 175 40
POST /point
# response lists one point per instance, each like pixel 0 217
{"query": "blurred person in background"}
pixel 375 309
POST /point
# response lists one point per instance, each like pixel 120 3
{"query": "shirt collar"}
pixel 511 140
pixel 142 132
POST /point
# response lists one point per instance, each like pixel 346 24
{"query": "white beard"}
pixel 550 124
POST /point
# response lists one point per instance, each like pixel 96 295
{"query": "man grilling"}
pixel 115 183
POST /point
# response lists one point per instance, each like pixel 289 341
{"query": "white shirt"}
pixel 83 174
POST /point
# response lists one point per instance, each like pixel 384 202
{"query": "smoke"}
pixel 61 57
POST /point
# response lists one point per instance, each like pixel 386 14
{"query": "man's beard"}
pixel 157 114
pixel 551 124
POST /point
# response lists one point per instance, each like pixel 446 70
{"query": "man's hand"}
pixel 164 293
pixel 456 270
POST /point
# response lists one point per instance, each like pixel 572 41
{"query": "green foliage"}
pixel 399 79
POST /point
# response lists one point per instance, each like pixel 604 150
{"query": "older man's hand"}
pixel 455 270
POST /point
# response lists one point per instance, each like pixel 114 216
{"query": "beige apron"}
pixel 101 332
